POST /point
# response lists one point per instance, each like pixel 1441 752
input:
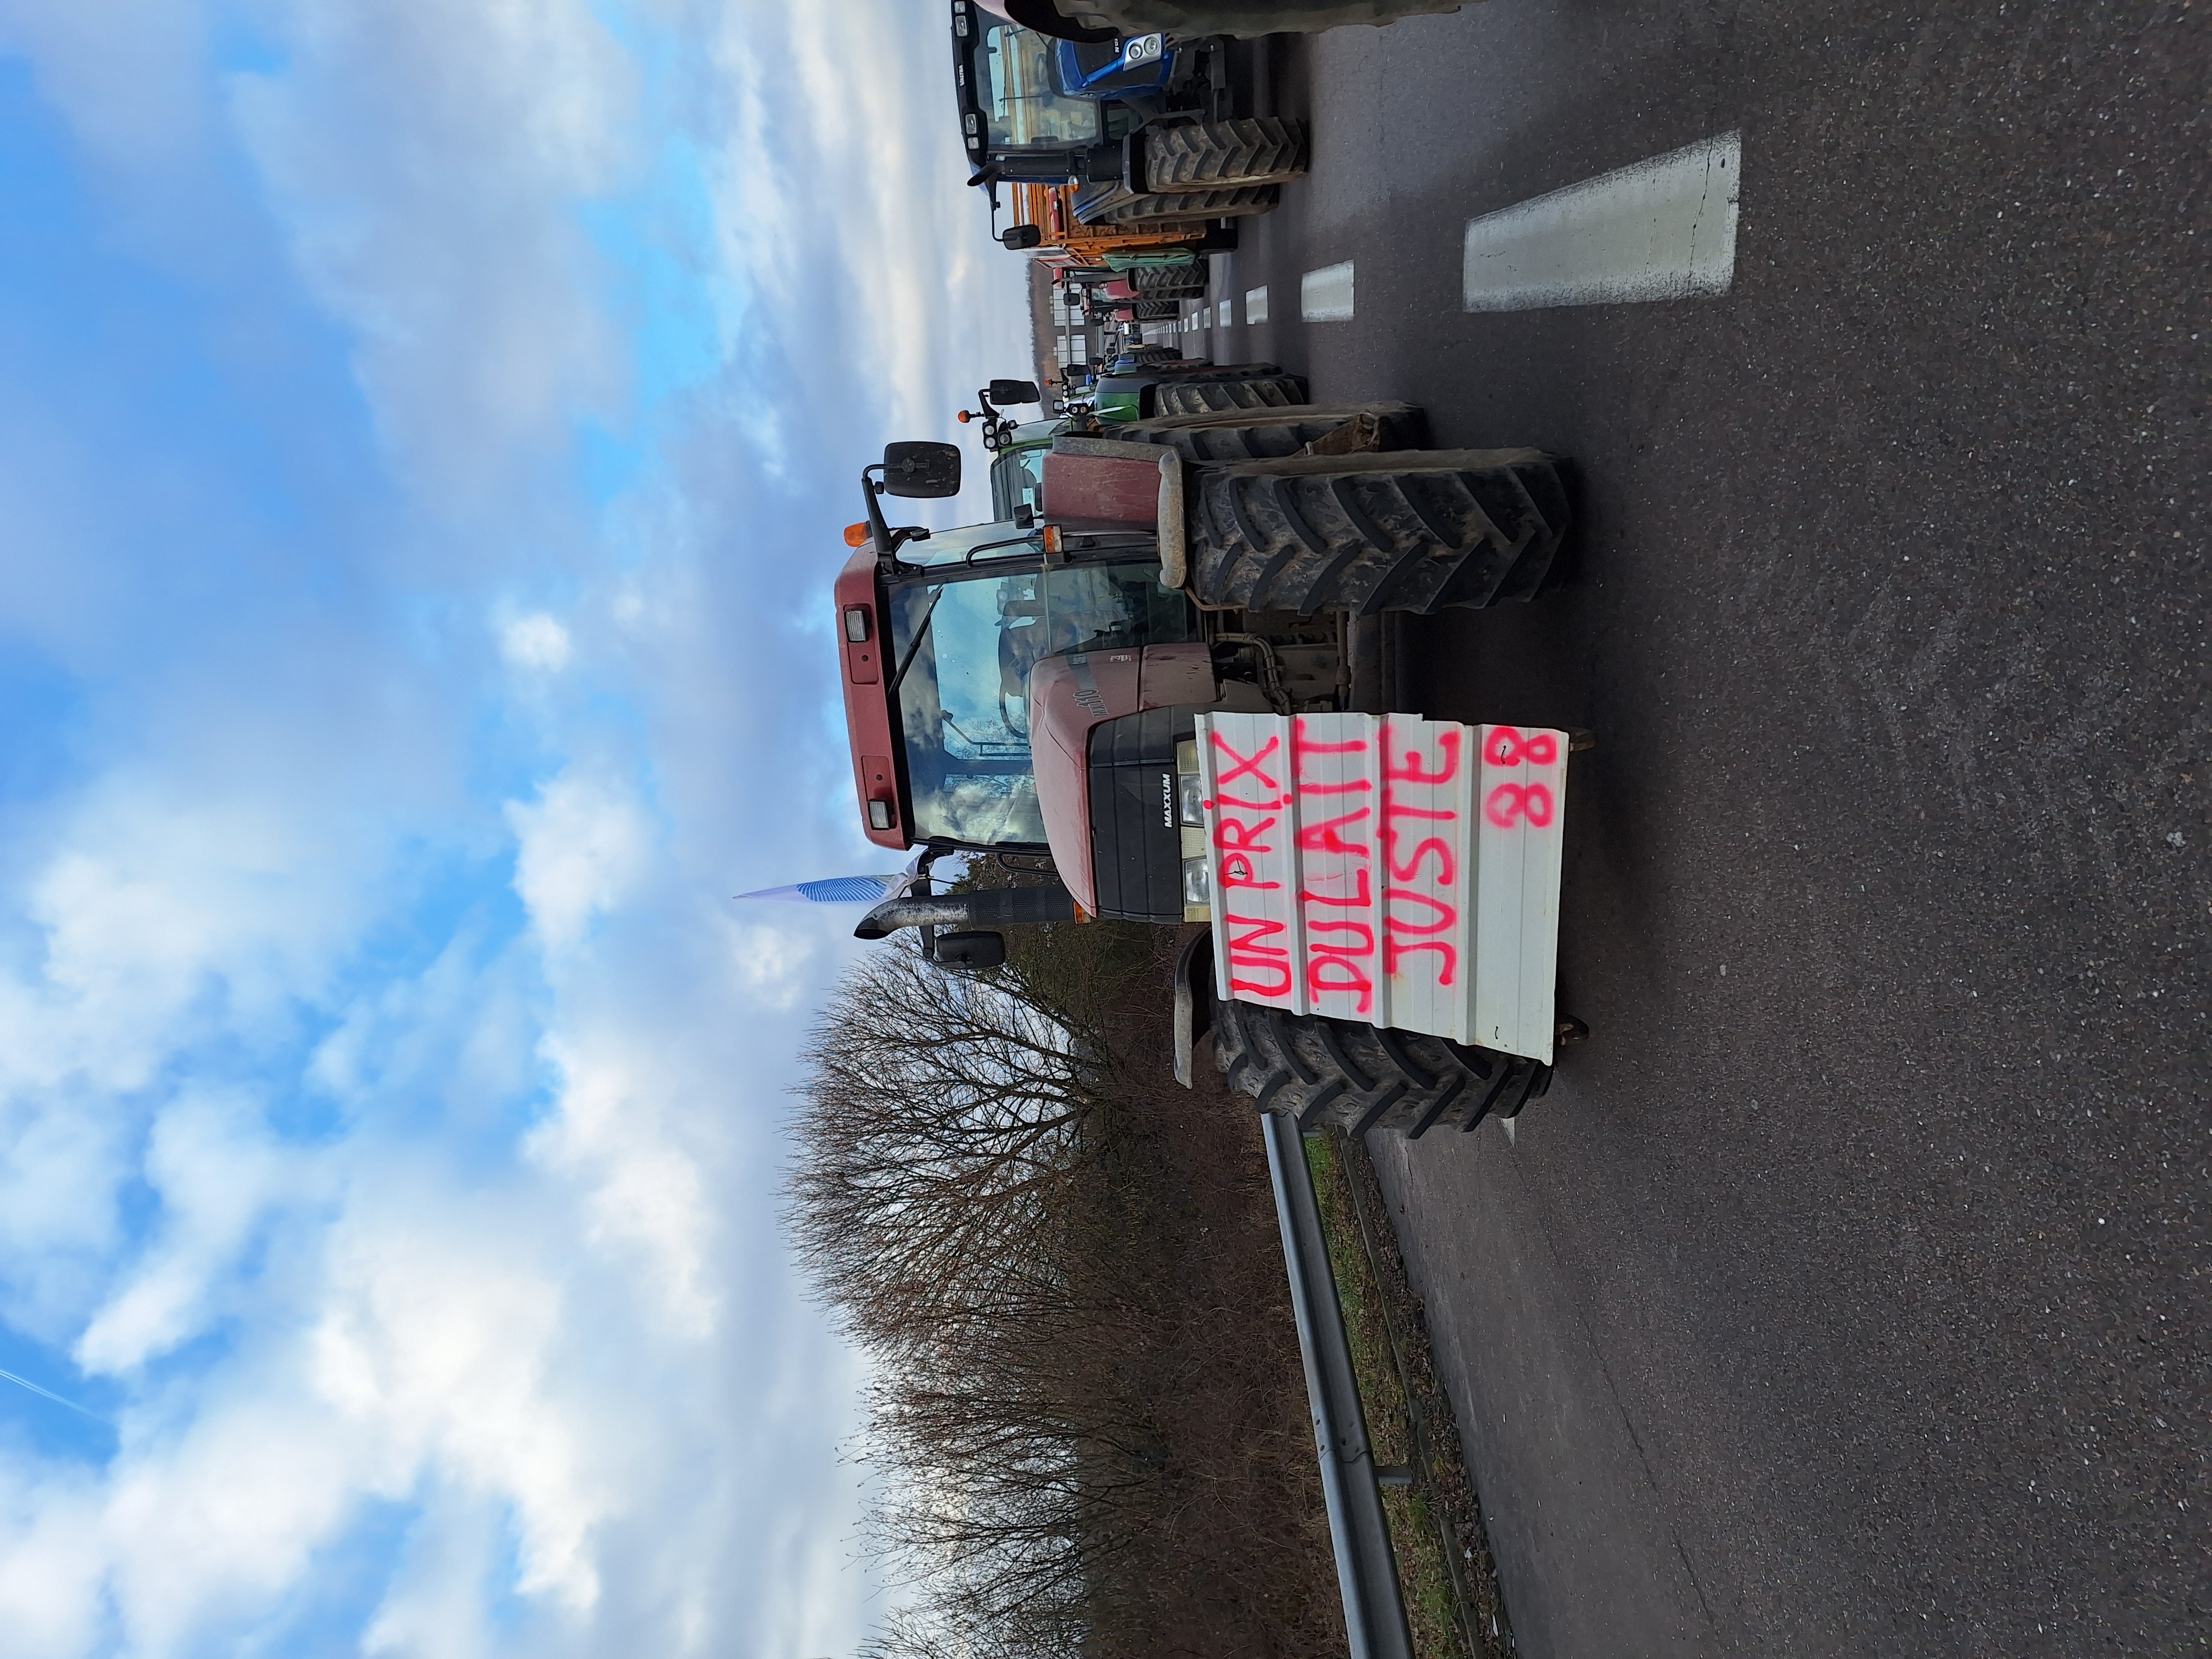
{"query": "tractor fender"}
pixel 1194 1001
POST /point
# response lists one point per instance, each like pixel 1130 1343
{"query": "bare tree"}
pixel 943 1167
pixel 1064 1412
pixel 941 1114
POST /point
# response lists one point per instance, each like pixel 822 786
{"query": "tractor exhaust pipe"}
pixel 1004 907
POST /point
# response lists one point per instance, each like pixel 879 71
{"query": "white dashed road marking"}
pixel 1255 305
pixel 1663 229
pixel 1325 295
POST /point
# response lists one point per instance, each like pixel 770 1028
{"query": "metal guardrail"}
pixel 1366 1571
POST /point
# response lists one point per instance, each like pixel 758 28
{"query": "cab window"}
pixel 964 641
pixel 1017 480
pixel 1020 101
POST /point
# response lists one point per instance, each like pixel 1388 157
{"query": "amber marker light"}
pixel 855 534
pixel 1050 537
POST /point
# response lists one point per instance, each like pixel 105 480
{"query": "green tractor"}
pixel 1131 391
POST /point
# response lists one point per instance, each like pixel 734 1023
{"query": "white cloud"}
pixel 63 1160
pixel 434 1608
pixel 536 642
pixel 612 1133
pixel 777 965
pixel 459 1037
pixel 50 1556
pixel 499 1360
pixel 154 893
pixel 449 244
pixel 211 1524
pixel 926 302
pixel 215 1169
pixel 584 843
pixel 441 1346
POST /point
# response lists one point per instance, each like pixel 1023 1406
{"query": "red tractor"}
pixel 1081 689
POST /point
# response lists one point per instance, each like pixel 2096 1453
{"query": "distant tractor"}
pixel 1121 146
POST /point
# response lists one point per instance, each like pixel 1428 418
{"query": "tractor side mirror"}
pixel 1021 237
pixel 1015 391
pixel 970 953
pixel 921 468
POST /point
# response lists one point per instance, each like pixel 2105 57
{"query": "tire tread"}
pixel 1198 156
pixel 1278 432
pixel 1342 1074
pixel 1216 397
pixel 1410 529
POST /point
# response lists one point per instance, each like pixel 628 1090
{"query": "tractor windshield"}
pixel 1012 71
pixel 967 637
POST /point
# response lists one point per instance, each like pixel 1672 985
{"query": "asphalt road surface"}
pixel 1848 1293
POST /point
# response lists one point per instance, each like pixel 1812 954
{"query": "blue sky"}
pixel 425 429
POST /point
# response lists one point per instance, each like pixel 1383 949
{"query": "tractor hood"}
pixel 1070 697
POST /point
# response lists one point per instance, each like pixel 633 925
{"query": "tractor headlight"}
pixel 1190 814
pixel 1190 790
pixel 1197 885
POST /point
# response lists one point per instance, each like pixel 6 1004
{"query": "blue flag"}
pixel 835 889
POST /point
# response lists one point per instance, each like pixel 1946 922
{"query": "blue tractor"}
pixel 1142 128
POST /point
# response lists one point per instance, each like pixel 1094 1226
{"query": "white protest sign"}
pixel 1388 869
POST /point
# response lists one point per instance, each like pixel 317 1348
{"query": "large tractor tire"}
pixel 1154 311
pixel 1235 392
pixel 1169 282
pixel 1244 435
pixel 1199 155
pixel 1138 212
pixel 1342 1074
pixel 1407 530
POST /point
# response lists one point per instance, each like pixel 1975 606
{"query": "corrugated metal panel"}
pixel 1430 872
pixel 1251 835
pixel 1337 766
pixel 1524 777
pixel 1388 868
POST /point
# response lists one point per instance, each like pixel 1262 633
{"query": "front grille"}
pixel 1136 849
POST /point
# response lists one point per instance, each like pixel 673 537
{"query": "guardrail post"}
pixel 1366 1573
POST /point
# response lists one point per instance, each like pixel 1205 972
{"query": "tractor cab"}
pixel 1032 685
pixel 942 641
pixel 1040 110
pixel 1017 119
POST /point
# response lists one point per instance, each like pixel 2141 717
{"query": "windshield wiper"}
pixel 920 633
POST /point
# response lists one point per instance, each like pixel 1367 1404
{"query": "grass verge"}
pixel 1445 1572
